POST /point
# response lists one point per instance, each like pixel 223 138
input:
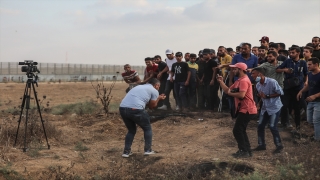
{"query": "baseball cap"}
pixel 169 51
pixel 178 53
pixel 212 51
pixel 264 38
pixel 241 66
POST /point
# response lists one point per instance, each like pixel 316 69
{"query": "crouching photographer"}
pixel 241 90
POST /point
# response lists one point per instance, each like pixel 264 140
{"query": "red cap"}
pixel 264 38
pixel 241 66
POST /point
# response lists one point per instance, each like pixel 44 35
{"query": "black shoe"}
pixel 241 154
pixel 259 148
pixel 278 149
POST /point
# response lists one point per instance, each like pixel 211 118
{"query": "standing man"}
pixel 276 47
pixel 193 67
pixel 262 54
pixel 169 85
pixel 316 47
pixel 133 113
pixel 313 99
pixel 255 50
pixel 187 57
pixel 225 61
pixel 241 90
pixel 293 67
pixel 200 77
pixel 210 87
pixel 270 72
pixel 162 77
pixel 180 70
pixel 269 91
pixel 250 60
pixel 307 53
pixel 264 41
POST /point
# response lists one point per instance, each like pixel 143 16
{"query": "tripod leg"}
pixel 27 100
pixel 22 107
pixel 38 106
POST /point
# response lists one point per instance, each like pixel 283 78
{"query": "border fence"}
pixel 11 72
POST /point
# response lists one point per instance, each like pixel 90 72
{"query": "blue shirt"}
pixel 271 105
pixel 139 96
pixel 314 85
pixel 289 63
pixel 252 62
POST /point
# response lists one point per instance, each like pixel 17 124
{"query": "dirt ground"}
pixel 90 146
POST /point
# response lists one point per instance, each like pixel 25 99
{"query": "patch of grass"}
pixel 9 174
pixel 33 153
pixel 88 107
pixel 291 171
pixel 80 147
pixel 114 107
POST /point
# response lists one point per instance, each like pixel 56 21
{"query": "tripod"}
pixel 26 102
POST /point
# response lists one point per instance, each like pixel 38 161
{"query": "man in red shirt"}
pixel 151 70
pixel 241 90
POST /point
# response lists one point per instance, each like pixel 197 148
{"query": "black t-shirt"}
pixel 316 53
pixel 208 70
pixel 180 70
pixel 314 85
pixel 201 66
pixel 161 66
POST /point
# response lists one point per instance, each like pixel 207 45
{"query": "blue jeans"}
pixel 313 117
pixel 131 118
pixel 181 94
pixel 273 120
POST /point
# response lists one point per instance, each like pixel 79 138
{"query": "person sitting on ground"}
pixel 130 76
pixel 269 91
pixel 133 113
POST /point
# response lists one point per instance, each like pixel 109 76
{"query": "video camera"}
pixel 30 66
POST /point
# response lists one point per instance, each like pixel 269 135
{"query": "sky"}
pixel 126 31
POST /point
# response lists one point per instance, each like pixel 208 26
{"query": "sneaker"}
pixel 177 108
pixel 163 107
pixel 126 154
pixel 278 149
pixel 149 153
pixel 259 148
pixel 241 154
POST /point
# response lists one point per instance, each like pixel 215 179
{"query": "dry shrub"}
pixel 103 94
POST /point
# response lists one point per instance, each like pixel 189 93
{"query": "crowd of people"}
pixel 266 82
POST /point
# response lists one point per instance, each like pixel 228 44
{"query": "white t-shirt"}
pixel 169 64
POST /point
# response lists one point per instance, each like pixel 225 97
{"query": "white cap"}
pixel 169 51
